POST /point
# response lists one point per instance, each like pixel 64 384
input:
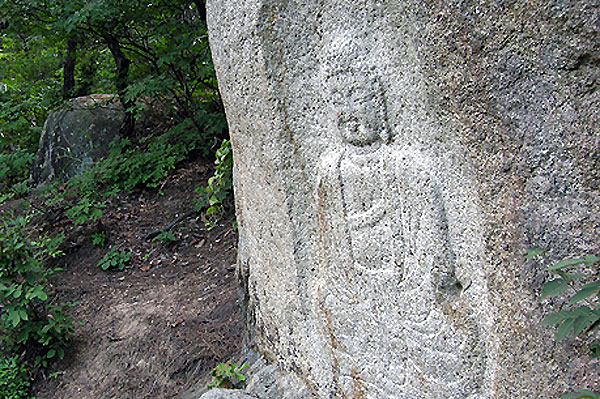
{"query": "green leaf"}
pixel 555 318
pixel 581 311
pixel 51 353
pixel 586 394
pixel 595 348
pixel 579 324
pixel 212 210
pixel 569 276
pixel 571 395
pixel 214 199
pixel 582 322
pixel 13 316
pixel 564 329
pixel 565 263
pixel 533 252
pixel 38 292
pixel 585 292
pixel 554 288
pixel 595 284
pixel 590 259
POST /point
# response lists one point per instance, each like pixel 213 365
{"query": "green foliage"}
pixel 14 173
pixel 14 381
pixel 51 194
pixel 129 165
pixel 30 86
pixel 144 165
pixel 27 319
pixel 87 209
pixel 226 375
pixel 581 394
pixel 219 186
pixel 163 43
pixel 99 239
pixel 581 314
pixel 165 237
pixel 114 260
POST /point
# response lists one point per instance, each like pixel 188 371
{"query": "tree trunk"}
pixel 122 65
pixel 201 5
pixel 69 70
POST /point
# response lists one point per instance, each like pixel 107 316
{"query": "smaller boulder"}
pixel 76 135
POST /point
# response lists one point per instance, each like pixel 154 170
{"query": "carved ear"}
pixel 386 132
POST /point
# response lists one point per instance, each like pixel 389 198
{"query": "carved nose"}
pixel 356 132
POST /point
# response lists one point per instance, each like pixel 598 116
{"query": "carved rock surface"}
pixel 393 161
pixel 76 135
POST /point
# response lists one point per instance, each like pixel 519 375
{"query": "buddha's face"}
pixel 358 108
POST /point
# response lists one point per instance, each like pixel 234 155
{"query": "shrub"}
pixel 142 165
pixel 114 260
pixel 99 239
pixel 14 382
pixel 129 165
pixel 27 319
pixel 86 209
pixel 14 173
pixel 226 375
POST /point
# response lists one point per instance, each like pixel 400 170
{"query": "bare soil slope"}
pixel 153 329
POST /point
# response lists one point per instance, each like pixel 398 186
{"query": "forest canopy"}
pixel 54 50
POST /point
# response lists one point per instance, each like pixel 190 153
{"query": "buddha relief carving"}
pixel 384 233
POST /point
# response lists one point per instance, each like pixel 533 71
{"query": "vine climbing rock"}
pixel 393 160
pixel 76 135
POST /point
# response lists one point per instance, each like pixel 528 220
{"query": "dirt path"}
pixel 155 328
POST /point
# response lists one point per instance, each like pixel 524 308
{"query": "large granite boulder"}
pixel 393 161
pixel 76 135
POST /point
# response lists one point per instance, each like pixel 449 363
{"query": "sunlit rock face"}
pixel 393 160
